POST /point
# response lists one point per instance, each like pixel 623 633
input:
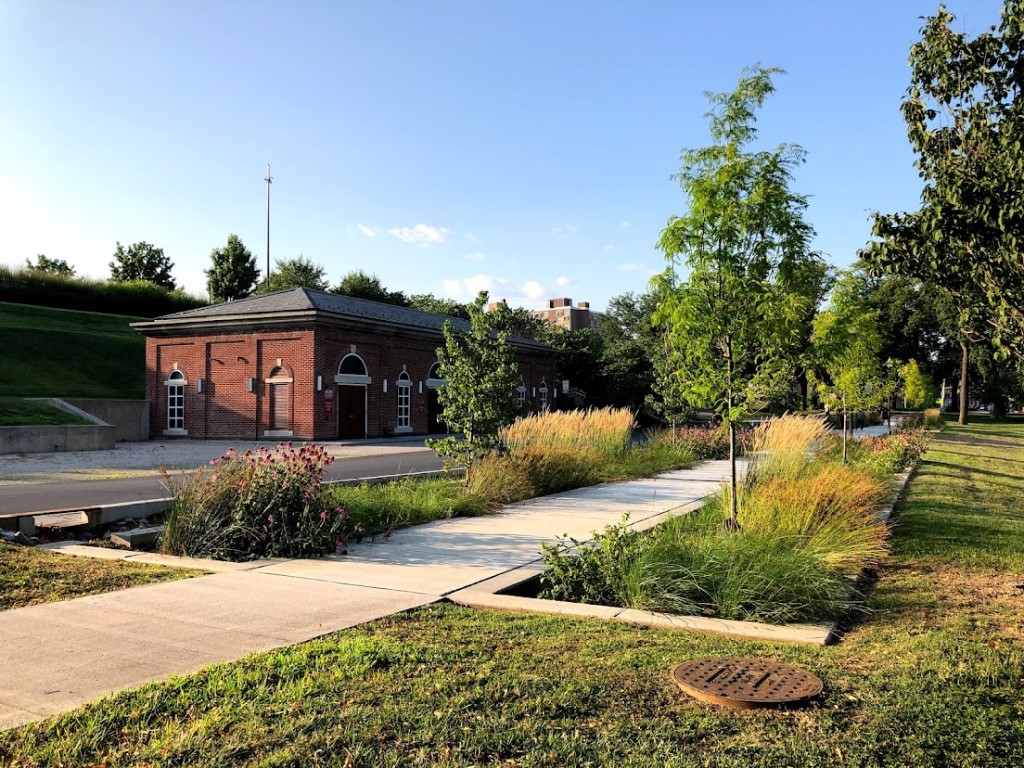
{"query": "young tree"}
pixel 299 272
pixel 233 273
pixel 361 285
pixel 729 320
pixel 50 266
pixel 918 387
pixel 142 261
pixel 847 346
pixel 479 398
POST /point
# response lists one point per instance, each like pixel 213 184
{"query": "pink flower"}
pixel 325 515
pixel 270 518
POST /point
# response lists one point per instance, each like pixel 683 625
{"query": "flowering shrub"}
pixel 894 452
pixel 263 503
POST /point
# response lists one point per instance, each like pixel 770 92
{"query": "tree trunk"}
pixel 734 501
pixel 846 419
pixel 805 387
pixel 963 384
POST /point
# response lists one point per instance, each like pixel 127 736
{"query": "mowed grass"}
pixel 31 576
pixel 931 677
pixel 17 411
pixel 63 353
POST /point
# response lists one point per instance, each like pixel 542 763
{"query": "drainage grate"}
pixel 745 683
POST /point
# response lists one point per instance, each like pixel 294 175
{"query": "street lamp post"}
pixel 269 181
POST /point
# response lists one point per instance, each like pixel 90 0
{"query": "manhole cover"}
pixel 745 683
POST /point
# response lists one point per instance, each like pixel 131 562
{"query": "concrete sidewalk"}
pixel 58 656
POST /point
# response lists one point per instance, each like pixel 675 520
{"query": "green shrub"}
pixel 267 503
pixel 593 573
pixel 141 298
pixel 704 442
pixel 374 509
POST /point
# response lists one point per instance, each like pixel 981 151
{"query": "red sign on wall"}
pixel 329 406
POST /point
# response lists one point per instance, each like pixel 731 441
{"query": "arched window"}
pixel 176 383
pixel 521 396
pixel 434 379
pixel 280 391
pixel 352 365
pixel 404 401
pixel 543 395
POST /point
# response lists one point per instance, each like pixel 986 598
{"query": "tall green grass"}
pixel 379 508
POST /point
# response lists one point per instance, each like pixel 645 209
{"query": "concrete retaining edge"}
pixel 490 595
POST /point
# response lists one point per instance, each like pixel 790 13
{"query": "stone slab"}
pixel 137 537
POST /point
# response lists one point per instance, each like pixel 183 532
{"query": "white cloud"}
pixel 368 231
pixel 628 267
pixel 625 225
pixel 472 238
pixel 477 256
pixel 421 234
pixel 608 248
pixel 562 281
pixel 563 230
pixel 528 294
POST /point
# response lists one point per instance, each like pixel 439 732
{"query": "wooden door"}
pixel 280 407
pixel 351 412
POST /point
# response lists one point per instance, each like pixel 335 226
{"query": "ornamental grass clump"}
pixel 783 446
pixel 605 431
pixel 263 503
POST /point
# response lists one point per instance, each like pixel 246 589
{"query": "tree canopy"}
pixel 965 121
pixel 142 261
pixel 300 272
pixel 233 273
pixel 50 266
pixel 361 285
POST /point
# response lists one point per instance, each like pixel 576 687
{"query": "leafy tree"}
pixel 518 321
pixel 300 272
pixel 729 319
pixel 630 343
pixel 233 273
pixel 848 346
pixel 50 266
pixel 361 285
pixel 142 261
pixel 809 280
pixel 428 302
pixel 964 123
pixel 480 396
pixel 918 387
pixel 579 361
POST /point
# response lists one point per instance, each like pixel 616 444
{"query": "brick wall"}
pixel 226 409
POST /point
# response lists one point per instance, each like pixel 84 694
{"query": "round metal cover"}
pixel 745 683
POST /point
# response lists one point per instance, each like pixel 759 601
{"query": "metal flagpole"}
pixel 269 181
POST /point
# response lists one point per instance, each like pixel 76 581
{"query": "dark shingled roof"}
pixel 305 299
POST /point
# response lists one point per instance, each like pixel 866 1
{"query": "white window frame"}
pixel 543 395
pixel 176 384
pixel 404 386
pixel 352 378
pixel 521 396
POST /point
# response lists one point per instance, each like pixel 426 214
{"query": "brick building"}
pixel 560 312
pixel 305 364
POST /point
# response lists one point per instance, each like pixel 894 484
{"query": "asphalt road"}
pixel 35 497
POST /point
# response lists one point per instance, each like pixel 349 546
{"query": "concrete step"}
pixel 138 537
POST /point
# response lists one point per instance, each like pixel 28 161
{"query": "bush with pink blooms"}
pixel 262 503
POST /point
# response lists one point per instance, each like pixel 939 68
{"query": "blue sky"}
pixel 447 146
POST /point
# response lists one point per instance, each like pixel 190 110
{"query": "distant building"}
pixel 309 365
pixel 563 314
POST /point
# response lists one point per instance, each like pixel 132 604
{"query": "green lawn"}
pixel 30 576
pixel 933 676
pixel 17 411
pixel 63 353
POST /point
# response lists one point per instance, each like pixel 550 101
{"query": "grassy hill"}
pixel 48 352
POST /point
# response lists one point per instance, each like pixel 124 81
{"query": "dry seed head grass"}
pixel 782 446
pixel 603 430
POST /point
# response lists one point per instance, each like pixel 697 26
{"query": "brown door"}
pixel 279 407
pixel 434 423
pixel 351 412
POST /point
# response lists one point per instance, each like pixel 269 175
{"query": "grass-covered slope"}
pixel 932 677
pixel 64 353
